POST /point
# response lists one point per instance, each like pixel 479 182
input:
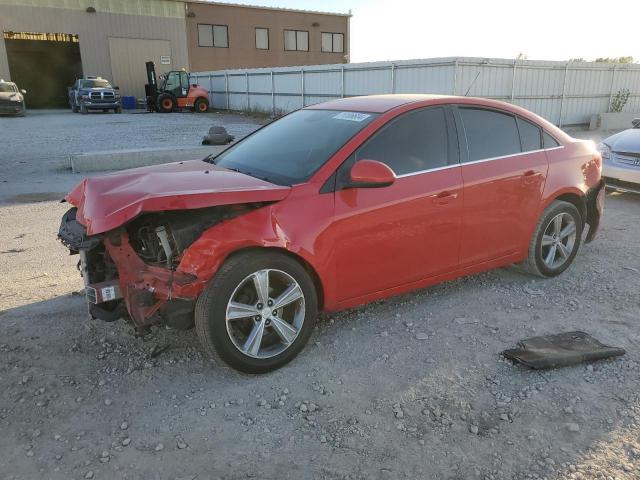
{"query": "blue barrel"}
pixel 128 102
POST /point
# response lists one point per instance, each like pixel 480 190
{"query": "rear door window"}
pixel 529 135
pixel 489 133
pixel 414 142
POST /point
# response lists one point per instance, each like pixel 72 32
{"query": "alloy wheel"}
pixel 265 313
pixel 558 240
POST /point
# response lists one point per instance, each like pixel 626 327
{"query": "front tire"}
pixel 83 109
pixel 201 106
pixel 258 312
pixel 556 240
pixel 166 103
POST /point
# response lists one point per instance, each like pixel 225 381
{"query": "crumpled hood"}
pixel 108 201
pixel 627 141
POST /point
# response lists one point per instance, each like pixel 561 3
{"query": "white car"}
pixel 621 159
pixel 11 99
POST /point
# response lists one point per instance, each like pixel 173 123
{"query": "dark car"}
pixel 94 93
pixel 11 99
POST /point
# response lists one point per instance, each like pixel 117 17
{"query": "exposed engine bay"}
pixel 160 238
pixel 149 246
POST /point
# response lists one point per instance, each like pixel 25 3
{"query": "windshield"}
pixel 94 84
pixel 7 87
pixel 290 150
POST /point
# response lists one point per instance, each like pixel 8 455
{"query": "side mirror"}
pixel 116 88
pixel 371 174
pixel 23 91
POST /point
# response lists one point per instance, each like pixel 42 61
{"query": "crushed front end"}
pixel 132 271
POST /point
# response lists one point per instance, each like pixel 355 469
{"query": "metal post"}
pixel 455 76
pixel 246 79
pixel 273 96
pixel 302 86
pixel 611 88
pixel 226 87
pixel 210 89
pixel 564 90
pixel 393 78
pixel 513 80
pixel 341 82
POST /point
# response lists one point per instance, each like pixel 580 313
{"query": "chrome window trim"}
pixel 436 169
pixel 419 172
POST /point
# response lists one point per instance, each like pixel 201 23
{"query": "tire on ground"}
pixel 166 103
pixel 210 313
pixel 534 263
pixel 201 105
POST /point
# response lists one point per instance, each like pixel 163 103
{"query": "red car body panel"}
pixel 119 197
pixel 359 244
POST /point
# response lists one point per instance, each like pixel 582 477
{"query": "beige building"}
pixel 222 36
pixel 46 44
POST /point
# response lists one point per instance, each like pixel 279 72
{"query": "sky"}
pixel 541 29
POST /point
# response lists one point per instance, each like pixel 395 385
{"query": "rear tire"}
pixel 201 106
pixel 556 240
pixel 225 333
pixel 166 103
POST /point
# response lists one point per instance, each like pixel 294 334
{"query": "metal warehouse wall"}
pixel 136 19
pixel 562 92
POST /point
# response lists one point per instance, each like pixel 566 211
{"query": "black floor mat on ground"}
pixel 560 350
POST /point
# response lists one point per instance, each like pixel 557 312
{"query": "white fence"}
pixel 563 92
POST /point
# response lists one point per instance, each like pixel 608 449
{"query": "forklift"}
pixel 171 92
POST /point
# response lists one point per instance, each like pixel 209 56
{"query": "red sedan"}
pixel 332 206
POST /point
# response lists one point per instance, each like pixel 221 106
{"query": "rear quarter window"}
pixel 549 141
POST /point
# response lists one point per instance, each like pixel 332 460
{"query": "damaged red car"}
pixel 332 206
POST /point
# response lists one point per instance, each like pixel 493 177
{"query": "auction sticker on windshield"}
pixel 351 116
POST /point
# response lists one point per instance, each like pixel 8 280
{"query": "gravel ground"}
pixel 411 387
pixel 39 144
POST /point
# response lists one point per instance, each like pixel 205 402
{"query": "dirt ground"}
pixel 412 387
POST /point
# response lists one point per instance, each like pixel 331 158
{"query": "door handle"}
pixel 529 177
pixel 445 197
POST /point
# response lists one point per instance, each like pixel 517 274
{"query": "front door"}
pixel 390 236
pixel 503 169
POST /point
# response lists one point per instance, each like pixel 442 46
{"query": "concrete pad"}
pixel 123 159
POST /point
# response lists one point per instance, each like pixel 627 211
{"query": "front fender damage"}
pixel 163 261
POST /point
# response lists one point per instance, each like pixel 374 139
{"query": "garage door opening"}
pixel 44 64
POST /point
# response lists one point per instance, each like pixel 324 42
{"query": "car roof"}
pixel 375 103
pixel 384 103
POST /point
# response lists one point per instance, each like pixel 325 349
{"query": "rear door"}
pixel 387 237
pixel 503 169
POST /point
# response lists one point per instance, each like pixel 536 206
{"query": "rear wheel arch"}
pixel 310 269
pixel 578 201
pixel 573 196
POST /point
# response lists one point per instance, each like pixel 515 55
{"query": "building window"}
pixel 296 40
pixel 213 35
pixel 262 38
pixel 333 42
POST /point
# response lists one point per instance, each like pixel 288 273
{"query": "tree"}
pixel 615 59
